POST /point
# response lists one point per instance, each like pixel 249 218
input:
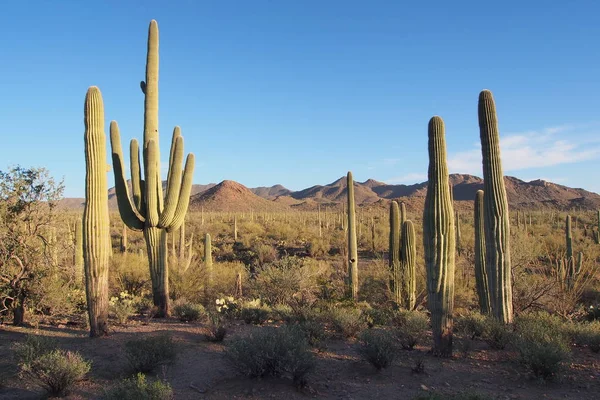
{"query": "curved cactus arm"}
pixel 133 219
pixel 173 183
pixel 136 176
pixel 152 203
pixel 176 134
pixel 184 194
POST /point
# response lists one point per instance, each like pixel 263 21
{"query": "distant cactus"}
pixel 569 238
pixel 394 253
pixel 481 279
pixel 408 265
pixel 352 242
pixel 208 262
pixel 438 241
pixel 457 235
pixel 149 211
pixel 78 252
pixel 497 223
pixel 124 242
pixel 96 245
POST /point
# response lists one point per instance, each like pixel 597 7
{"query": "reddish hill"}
pixel 232 196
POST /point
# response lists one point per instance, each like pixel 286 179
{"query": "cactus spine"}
pixel 481 279
pixel 147 210
pixel 497 223
pixel 352 242
pixel 408 255
pixel 394 250
pixel 438 241
pixel 96 246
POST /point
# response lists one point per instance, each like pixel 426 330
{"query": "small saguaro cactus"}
pixel 352 242
pixel 124 241
pixel 394 253
pixel 497 223
pixel 96 245
pixel 78 252
pixel 208 262
pixel 438 241
pixel 147 210
pixel 408 255
pixel 481 280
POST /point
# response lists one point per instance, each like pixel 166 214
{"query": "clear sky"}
pixel 300 92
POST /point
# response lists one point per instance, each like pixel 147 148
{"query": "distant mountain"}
pixel 232 196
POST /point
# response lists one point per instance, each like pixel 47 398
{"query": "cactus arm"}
pixel 129 214
pixel 176 134
pixel 184 194
pixel 152 204
pixel 136 176
pixel 173 183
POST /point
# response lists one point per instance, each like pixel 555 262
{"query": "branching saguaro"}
pixel 96 245
pixel 438 241
pixel 497 218
pixel 147 210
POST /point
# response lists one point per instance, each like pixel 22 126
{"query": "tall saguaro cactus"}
pixel 497 218
pixel 147 210
pixel 408 259
pixel 439 241
pixel 96 245
pixel 394 252
pixel 352 242
pixel 481 279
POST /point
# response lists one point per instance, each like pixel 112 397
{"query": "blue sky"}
pixel 300 92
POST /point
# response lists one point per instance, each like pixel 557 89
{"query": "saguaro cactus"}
pixel 481 279
pixel 458 236
pixel 124 242
pixel 497 223
pixel 394 252
pixel 208 262
pixel 352 242
pixel 408 263
pixel 438 241
pixel 78 252
pixel 148 211
pixel 96 246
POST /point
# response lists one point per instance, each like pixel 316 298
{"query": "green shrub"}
pixel 380 316
pixel 253 312
pixel 410 327
pixel 57 371
pixel 347 322
pixel 587 335
pixel 472 324
pixel 317 247
pixel 272 352
pixel 137 388
pixel 32 348
pixel 145 354
pixel 542 344
pixel 496 334
pixel 187 311
pixel 378 347
pixel 314 332
pixel 122 306
pixel 216 331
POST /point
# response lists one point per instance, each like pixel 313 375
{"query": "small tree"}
pixel 28 199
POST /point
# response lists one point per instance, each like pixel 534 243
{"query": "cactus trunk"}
pixel 78 252
pixel 497 223
pixel 394 253
pixel 96 245
pixel 352 242
pixel 439 242
pixel 481 279
pixel 408 255
pixel 156 248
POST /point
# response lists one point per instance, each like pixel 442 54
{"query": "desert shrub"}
pixel 138 388
pixel 317 247
pixel 542 344
pixel 146 354
pixel 410 327
pixel 187 311
pixel 496 334
pixel 272 352
pixel 380 316
pixel 587 335
pixel 378 347
pixel 347 322
pixel 472 324
pixel 253 312
pixel 122 306
pixel 287 280
pixel 57 371
pixel 129 273
pixel 32 348
pixel 224 276
pixel 227 307
pixel 264 253
pixel 216 330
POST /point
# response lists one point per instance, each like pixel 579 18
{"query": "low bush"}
pixel 32 348
pixel 587 335
pixel 496 334
pixel 138 388
pixel 378 347
pixel 347 322
pixel 57 371
pixel 146 354
pixel 187 311
pixel 273 352
pixel 216 331
pixel 410 327
pixel 253 312
pixel 472 324
pixel 122 306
